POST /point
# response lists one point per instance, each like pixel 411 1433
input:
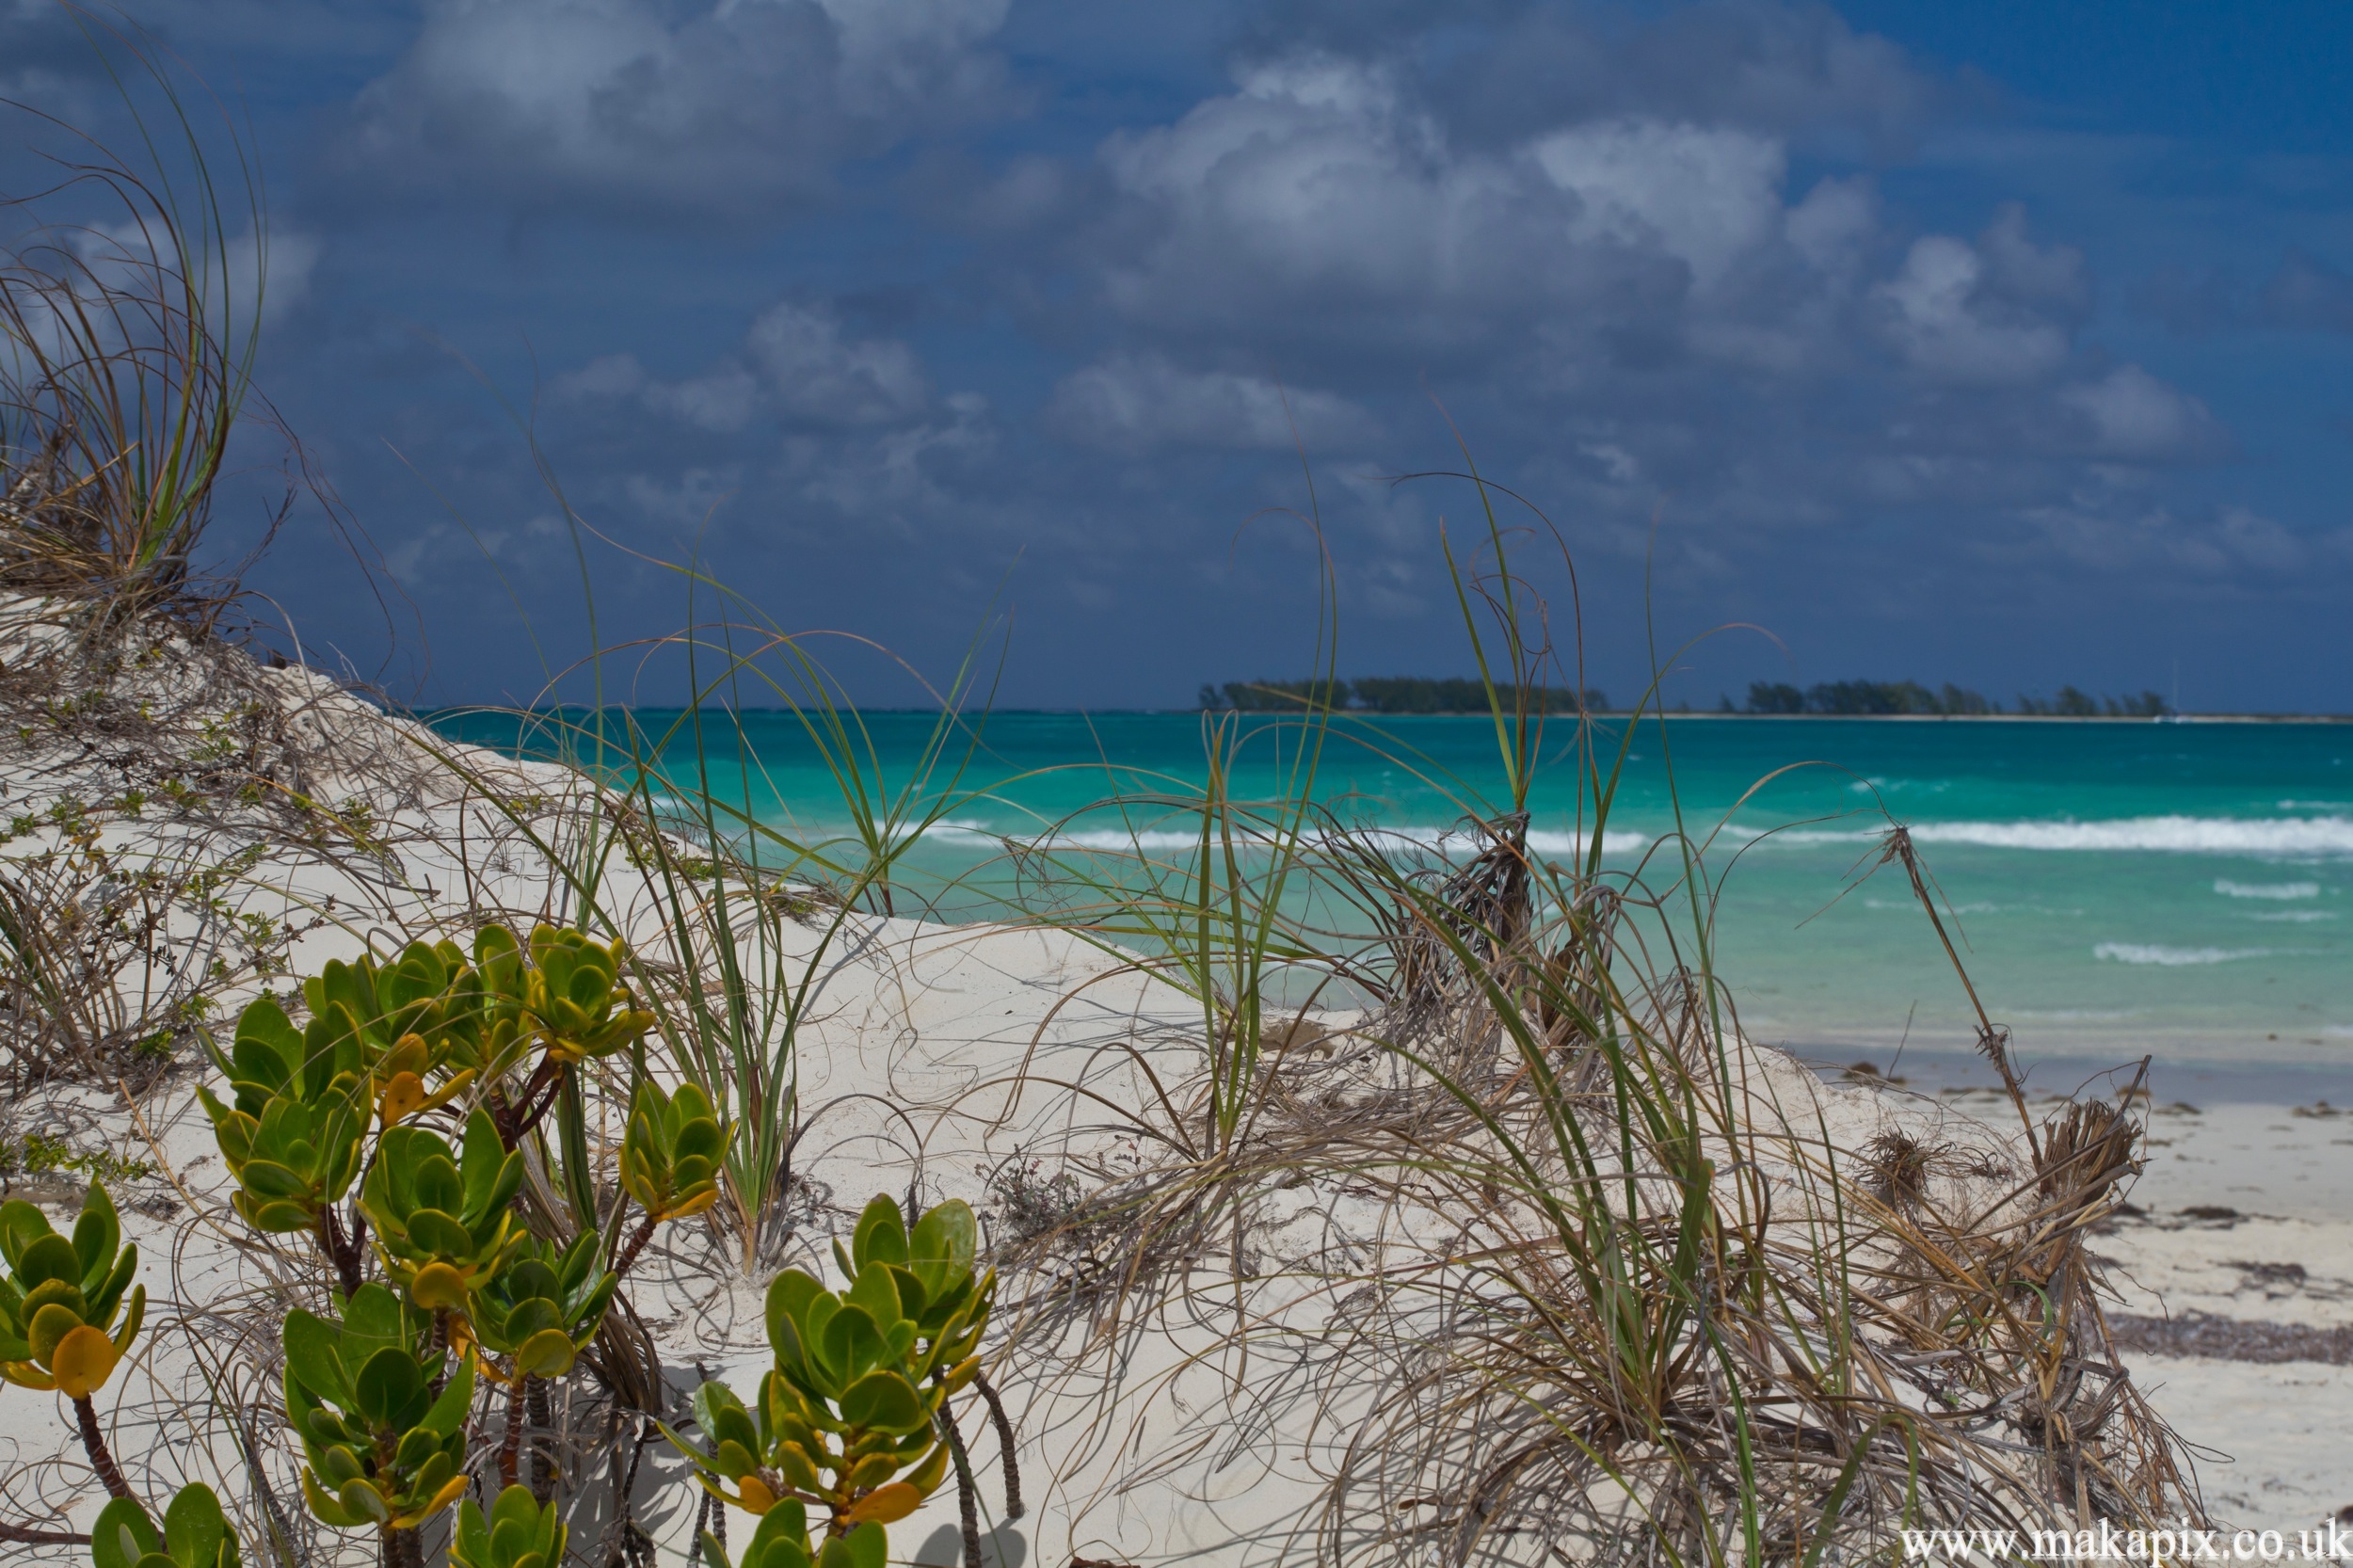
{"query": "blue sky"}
pixel 2004 344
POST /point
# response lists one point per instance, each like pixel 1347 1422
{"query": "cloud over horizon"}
pixel 1779 319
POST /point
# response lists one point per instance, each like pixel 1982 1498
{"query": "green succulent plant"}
pixel 780 1540
pixel 196 1534
pixel 380 1449
pixel 408 1019
pixel 68 1309
pixel 520 1533
pixel 292 1139
pixel 564 994
pixel 860 1374
pixel 443 1224
pixel 931 1288
pixel 571 997
pixel 670 1152
pixel 543 1307
pixel 486 1035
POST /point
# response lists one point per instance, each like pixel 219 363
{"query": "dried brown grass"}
pixel 1613 1307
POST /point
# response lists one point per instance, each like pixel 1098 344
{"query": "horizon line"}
pixel 1647 712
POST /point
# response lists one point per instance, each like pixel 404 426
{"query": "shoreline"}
pixel 1025 1070
pixel 2205 1080
pixel 2053 1066
pixel 2019 718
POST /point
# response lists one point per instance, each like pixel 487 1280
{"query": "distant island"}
pixel 1869 698
pixel 1848 698
pixel 1400 693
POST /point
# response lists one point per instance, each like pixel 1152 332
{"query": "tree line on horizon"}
pixel 1884 698
pixel 1851 699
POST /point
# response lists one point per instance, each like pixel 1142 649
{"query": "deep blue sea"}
pixel 2121 888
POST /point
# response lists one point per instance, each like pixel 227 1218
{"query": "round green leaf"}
pixel 884 1402
pixel 194 1527
pixel 122 1535
pixel 48 1257
pixel 387 1388
pixel 548 1353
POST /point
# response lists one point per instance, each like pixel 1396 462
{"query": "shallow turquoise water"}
pixel 2176 888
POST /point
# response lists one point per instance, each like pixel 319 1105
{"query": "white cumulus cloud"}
pixel 736 107
pixel 2136 416
pixel 1947 317
pixel 1706 197
pixel 1134 403
pixel 797 365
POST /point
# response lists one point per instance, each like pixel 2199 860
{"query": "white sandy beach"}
pixel 2284 1255
pixel 973 1062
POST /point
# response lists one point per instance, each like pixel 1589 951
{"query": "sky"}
pixel 2006 344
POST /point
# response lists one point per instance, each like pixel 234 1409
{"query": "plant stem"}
pixel 543 1439
pixel 402 1548
pixel 514 1440
pixel 636 1243
pixel 94 1442
pixel 967 1500
pixel 29 1536
pixel 1014 1508
pixel 344 1252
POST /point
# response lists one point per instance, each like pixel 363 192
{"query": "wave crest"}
pixel 2249 836
pixel 2174 958
pixel 2229 889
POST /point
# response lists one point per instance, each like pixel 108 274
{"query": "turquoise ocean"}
pixel 2184 889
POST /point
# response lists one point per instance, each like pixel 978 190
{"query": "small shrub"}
pixel 857 1394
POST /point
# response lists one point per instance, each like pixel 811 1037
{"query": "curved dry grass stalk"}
pixel 1598 1297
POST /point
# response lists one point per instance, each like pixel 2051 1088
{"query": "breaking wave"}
pixel 1438 840
pixel 2174 958
pixel 2250 836
pixel 2267 890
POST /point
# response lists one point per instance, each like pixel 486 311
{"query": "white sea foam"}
pixel 2180 835
pixel 1898 786
pixel 2296 917
pixel 2247 835
pixel 1403 839
pixel 2078 1015
pixel 2267 890
pixel 953 828
pixel 2174 958
pixel 2253 837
